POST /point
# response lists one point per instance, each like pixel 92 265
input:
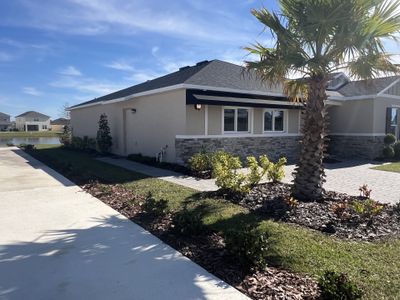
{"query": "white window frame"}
pixel 285 120
pixel 235 131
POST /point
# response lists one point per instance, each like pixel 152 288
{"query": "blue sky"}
pixel 69 51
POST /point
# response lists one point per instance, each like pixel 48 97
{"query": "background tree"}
pixel 63 112
pixel 314 38
pixel 104 139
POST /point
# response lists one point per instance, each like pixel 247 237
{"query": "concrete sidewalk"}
pixel 204 185
pixel 58 242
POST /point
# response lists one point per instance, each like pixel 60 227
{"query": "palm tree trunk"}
pixel 309 174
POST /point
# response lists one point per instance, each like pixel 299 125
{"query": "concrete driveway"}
pixel 58 242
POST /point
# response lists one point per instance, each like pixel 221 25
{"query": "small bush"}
pixel 104 139
pixel 389 139
pixel 396 148
pixel 201 164
pixel 336 286
pixel 388 152
pixel 228 178
pixel 188 223
pixel 367 209
pixel 276 171
pixel 10 144
pixel 365 191
pixel 249 246
pixel 66 136
pixel 257 171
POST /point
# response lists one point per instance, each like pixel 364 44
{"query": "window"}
pixel 236 120
pixel 44 126
pixel 274 120
pixel 392 115
pixel 35 119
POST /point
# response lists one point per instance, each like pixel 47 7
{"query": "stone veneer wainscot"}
pixel 356 147
pixel 273 146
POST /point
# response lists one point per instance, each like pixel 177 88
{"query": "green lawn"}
pixel 392 167
pixel 12 134
pixel 374 266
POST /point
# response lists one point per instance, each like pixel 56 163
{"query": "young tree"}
pixel 315 38
pixel 104 139
pixel 63 111
pixel 66 136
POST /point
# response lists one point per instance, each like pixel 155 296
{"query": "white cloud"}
pixel 70 71
pixel 120 65
pixel 155 50
pixel 87 85
pixel 29 90
pixel 4 57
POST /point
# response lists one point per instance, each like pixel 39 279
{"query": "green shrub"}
pixel 389 139
pixel 276 171
pixel 396 148
pixel 388 152
pixel 336 286
pixel 249 246
pixel 367 209
pixel 257 171
pixel 66 136
pixel 103 138
pixel 188 223
pixel 226 171
pixel 201 163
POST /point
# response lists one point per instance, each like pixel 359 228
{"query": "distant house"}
pixel 5 122
pixel 32 121
pixel 59 124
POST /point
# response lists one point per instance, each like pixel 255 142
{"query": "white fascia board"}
pixel 362 97
pixel 388 87
pixel 246 100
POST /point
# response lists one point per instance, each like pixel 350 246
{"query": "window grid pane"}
pixel 242 120
pixel 278 120
pixel 229 120
pixel 268 121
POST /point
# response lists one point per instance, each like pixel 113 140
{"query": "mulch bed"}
pixel 271 200
pixel 208 250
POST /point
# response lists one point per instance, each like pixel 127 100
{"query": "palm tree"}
pixel 315 38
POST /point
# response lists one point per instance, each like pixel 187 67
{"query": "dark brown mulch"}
pixel 271 200
pixel 208 250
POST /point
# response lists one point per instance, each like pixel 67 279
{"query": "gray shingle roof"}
pixel 366 87
pixel 3 115
pixel 215 73
pixel 33 114
pixel 60 121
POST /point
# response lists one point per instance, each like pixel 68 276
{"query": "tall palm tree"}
pixel 315 38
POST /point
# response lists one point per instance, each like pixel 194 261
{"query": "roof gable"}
pixel 33 114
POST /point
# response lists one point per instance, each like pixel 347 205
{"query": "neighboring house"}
pixel 32 121
pixel 59 124
pixel 218 105
pixel 5 122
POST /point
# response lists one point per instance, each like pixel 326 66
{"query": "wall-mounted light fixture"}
pixel 197 106
pixel 133 110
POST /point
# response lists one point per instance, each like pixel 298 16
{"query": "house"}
pixel 5 122
pixel 59 124
pixel 218 105
pixel 32 121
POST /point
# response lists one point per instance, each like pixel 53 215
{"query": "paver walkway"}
pixel 58 242
pixel 345 177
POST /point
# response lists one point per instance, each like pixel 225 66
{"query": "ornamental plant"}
pixel 276 171
pixel 104 139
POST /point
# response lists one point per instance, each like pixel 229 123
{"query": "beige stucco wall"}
pixel 195 120
pixel 158 119
pixel 214 120
pixel 353 116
